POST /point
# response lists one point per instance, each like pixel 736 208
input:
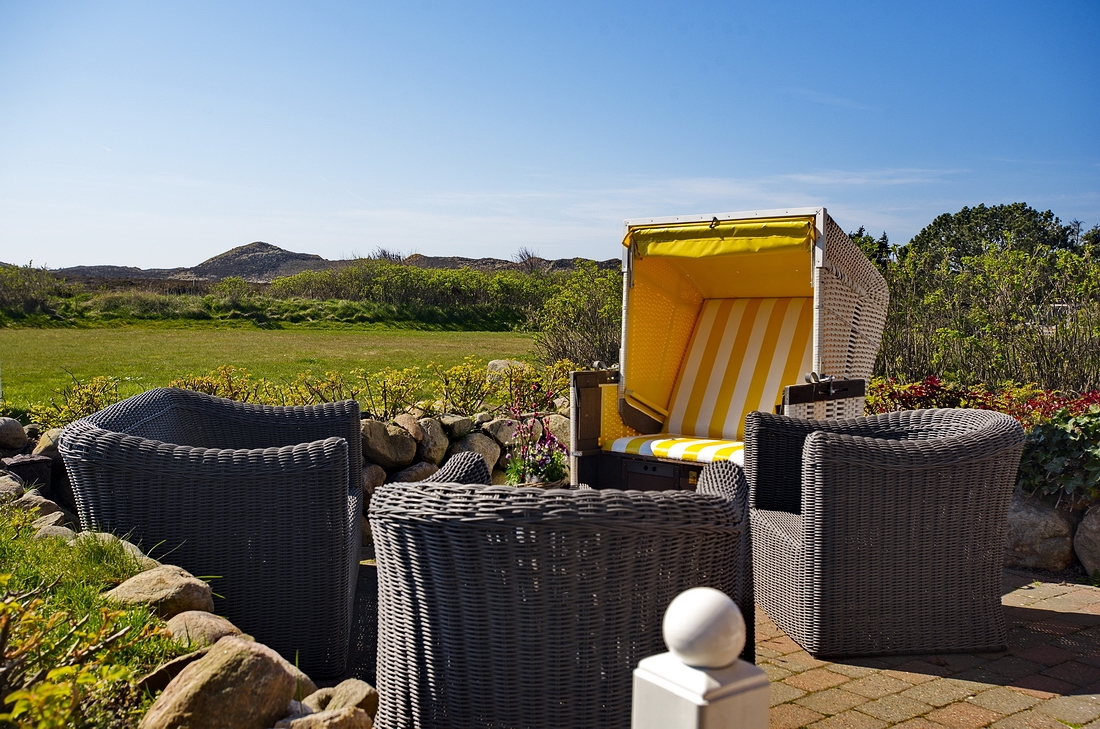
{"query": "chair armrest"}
pixel 773 460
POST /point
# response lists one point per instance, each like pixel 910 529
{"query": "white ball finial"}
pixel 704 628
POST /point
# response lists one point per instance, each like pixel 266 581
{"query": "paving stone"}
pixel 1021 639
pixel 960 661
pixel 964 715
pixel 1072 709
pixel 921 670
pixel 850 720
pixel 1042 687
pixel 782 693
pixel 775 673
pixel 919 723
pixel 782 645
pixel 1074 672
pixel 816 680
pixel 832 701
pixel 940 692
pixel 1048 655
pixel 792 716
pixel 798 662
pixel 981 677
pixel 851 670
pixel 1053 627
pixel 764 652
pixel 895 708
pixel 1029 720
pixel 1004 701
pixel 1014 667
pixel 877 686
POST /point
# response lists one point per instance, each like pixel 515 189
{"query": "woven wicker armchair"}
pixel 885 534
pixel 522 607
pixel 268 499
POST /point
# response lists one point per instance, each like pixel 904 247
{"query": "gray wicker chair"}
pixel 267 499
pixel 523 607
pixel 885 534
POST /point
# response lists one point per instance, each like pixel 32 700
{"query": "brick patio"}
pixel 1048 677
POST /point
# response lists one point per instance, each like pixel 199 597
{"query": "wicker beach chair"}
pixel 267 499
pixel 523 607
pixel 885 534
pixel 720 315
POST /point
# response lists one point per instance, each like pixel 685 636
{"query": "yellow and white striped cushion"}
pixel 698 450
pixel 742 353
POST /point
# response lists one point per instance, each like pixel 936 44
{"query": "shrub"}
pixel 1061 457
pixel 77 400
pixel 26 289
pixel 581 322
pixel 464 388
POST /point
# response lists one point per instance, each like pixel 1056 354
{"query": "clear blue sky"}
pixel 158 134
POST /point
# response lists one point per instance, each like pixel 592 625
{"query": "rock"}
pixel 373 477
pixel 318 700
pixel 414 473
pixel 237 684
pixel 561 404
pixel 477 443
pixel 456 425
pixel 1039 536
pixel 11 486
pixel 31 500
pixel 47 443
pixel 559 427
pixel 348 718
pixel 196 629
pixel 33 430
pixel 387 445
pixel 410 424
pixel 51 530
pixel 295 710
pixel 1087 540
pixel 147 563
pixel 168 589
pixel 502 430
pixel 366 539
pixel 497 366
pixel 303 684
pixel 12 435
pixel 54 518
pixel 160 676
pixel 482 417
pixel 433 446
pixel 32 469
pixel 354 692
pixel 498 478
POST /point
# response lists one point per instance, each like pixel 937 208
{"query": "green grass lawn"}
pixel 36 362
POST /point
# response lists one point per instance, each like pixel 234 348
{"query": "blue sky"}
pixel 160 134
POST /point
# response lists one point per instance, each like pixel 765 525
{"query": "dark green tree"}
pixel 877 249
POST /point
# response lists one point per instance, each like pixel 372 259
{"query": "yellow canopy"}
pixel 722 238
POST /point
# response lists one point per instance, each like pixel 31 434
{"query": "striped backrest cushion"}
pixel 742 354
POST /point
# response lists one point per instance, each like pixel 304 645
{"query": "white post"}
pixel 701 683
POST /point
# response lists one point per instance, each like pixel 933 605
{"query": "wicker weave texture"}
pixel 260 497
pixel 520 607
pixel 884 534
pixel 851 296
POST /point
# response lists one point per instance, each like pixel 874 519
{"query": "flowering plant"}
pixel 537 456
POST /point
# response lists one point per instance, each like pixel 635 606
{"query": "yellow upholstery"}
pixel 742 353
pixel 697 450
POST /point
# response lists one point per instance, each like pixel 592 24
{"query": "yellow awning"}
pixel 729 237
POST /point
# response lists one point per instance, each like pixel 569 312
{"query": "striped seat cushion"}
pixel 741 355
pixel 698 450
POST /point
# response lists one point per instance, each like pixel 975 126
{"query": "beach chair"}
pixel 724 315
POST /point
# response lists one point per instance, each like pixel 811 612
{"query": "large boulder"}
pixel 346 718
pixel 477 443
pixel 1086 542
pixel 32 500
pixel 196 628
pixel 390 446
pixel 414 473
pixel 51 530
pixel 409 423
pixel 353 692
pixel 502 430
pixel 239 683
pixel 559 428
pixel 169 590
pixel 1039 535
pixel 11 486
pixel 456 425
pixel 47 443
pixel 433 446
pixel 163 674
pixel 147 563
pixel 373 477
pixel 12 435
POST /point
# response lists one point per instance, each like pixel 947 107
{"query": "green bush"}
pixel 1061 458
pixel 582 321
pixel 28 290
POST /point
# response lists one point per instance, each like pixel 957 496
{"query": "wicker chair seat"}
pixel 267 500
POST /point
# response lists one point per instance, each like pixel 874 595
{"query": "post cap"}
pixel 704 628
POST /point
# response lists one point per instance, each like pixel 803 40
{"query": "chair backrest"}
pixel 742 353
